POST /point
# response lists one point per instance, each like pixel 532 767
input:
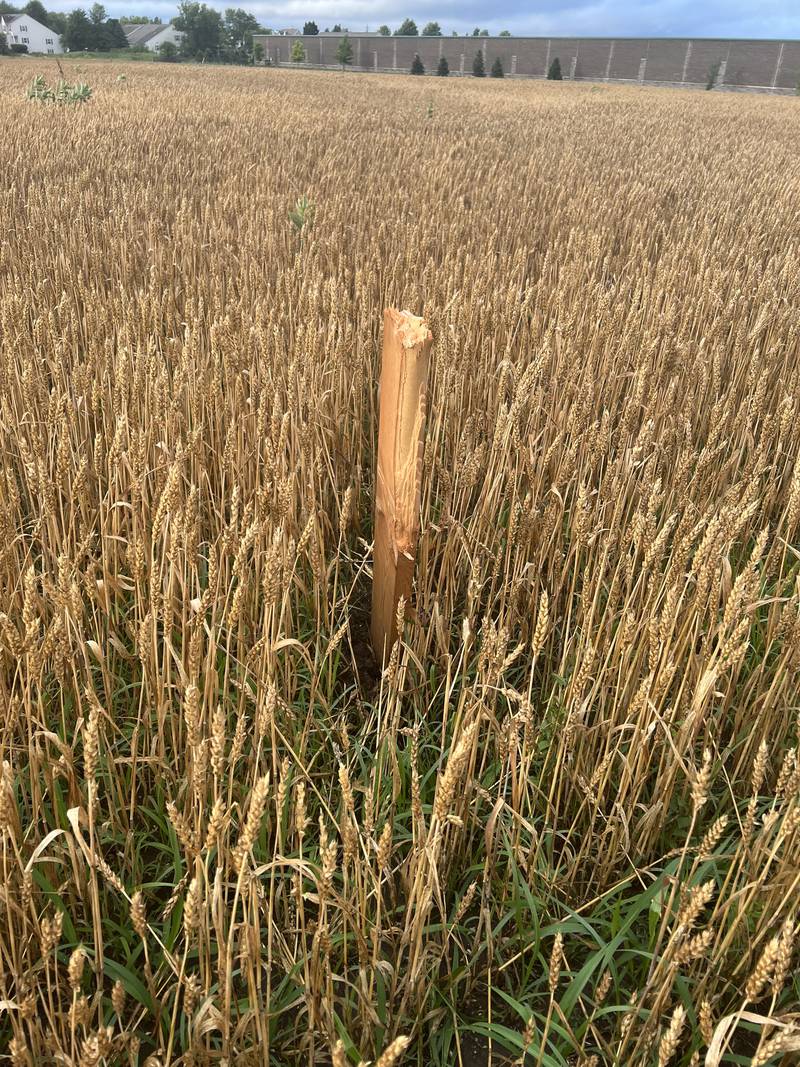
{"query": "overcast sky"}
pixel 630 18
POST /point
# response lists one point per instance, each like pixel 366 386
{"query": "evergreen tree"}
pixel 504 33
pixel 310 29
pixel 432 29
pixel 478 69
pixel 407 28
pixel 4 49
pixel 344 53
pixel 417 66
pixel 113 35
pixel 444 67
pixel 298 53
pixel 80 33
pixel 36 10
pixel 384 31
pixel 497 69
pixel 554 71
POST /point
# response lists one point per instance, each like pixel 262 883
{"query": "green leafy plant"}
pixel 60 93
pixel 417 66
pixel 303 213
pixel 554 71
pixel 443 70
pixel 168 53
pixel 298 53
pixel 497 69
pixel 344 53
pixel 713 73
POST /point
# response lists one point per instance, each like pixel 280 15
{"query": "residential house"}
pixel 151 35
pixel 22 29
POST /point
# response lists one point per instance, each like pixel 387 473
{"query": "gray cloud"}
pixel 633 18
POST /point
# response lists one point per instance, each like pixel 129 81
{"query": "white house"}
pixel 151 35
pixel 22 29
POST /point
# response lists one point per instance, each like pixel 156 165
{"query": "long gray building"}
pixel 734 64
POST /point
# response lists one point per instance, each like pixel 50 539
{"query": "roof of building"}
pixel 142 33
pixel 9 20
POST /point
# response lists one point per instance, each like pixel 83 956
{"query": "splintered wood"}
pixel 404 376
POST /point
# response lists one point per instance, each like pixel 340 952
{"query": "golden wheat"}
pixel 579 770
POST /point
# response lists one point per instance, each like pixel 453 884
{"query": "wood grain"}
pixel 403 386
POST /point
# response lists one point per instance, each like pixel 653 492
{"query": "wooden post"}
pixel 404 376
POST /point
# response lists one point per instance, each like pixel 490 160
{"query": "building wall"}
pixel 37 37
pixel 169 33
pixel 757 64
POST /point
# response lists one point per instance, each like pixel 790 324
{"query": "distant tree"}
pixel 167 52
pixel 407 28
pixel 258 52
pixel 484 33
pixel 497 69
pixel 56 21
pixel 36 10
pixel 240 26
pixel 202 28
pixel 384 31
pixel 455 33
pixel 137 20
pixel 554 70
pixel 444 67
pixel 478 69
pixel 80 33
pixel 113 35
pixel 476 32
pixel 4 49
pixel 344 53
pixel 7 9
pixel 298 53
pixel 417 66
pixel 97 13
pixel 504 33
pixel 310 29
pixel 337 28
pixel 432 29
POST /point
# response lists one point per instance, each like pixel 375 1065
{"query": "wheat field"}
pixel 562 827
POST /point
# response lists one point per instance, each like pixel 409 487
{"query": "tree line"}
pixel 407 28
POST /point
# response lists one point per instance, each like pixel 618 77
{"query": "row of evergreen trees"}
pixel 479 69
